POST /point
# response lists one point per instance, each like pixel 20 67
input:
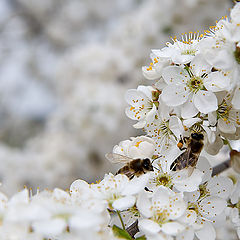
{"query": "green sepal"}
pixel 120 233
pixel 141 238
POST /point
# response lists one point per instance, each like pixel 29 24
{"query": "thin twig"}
pixel 120 217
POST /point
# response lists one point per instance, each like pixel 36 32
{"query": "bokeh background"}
pixel 64 68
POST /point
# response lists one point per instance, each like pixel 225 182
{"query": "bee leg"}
pixel 131 177
pixel 147 189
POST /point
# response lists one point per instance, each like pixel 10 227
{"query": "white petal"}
pixel 212 118
pixel 140 124
pixel 146 90
pixel 148 226
pixel 189 217
pixel 220 59
pixel 21 197
pixel 191 121
pixel 176 126
pixel 49 227
pixel 188 110
pixel 216 82
pixel 161 197
pixel 192 196
pixel 172 228
pixel 200 66
pixel 215 147
pixel 205 101
pixel 204 166
pixel 144 205
pixel 124 203
pixel 150 74
pixel 210 134
pixel 134 97
pixel 174 95
pixel 220 186
pixel 78 186
pixel 186 235
pixel 177 206
pixel 136 185
pixel 188 184
pixel 151 114
pixel 236 193
pixel 226 126
pixel 206 233
pixel 212 206
pixel 236 98
pixel 175 75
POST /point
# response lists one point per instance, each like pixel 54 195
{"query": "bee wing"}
pixel 190 171
pixel 129 173
pixel 117 158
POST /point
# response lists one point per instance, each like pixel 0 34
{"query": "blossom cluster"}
pixel 195 90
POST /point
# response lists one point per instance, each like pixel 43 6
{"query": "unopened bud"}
pixel 235 160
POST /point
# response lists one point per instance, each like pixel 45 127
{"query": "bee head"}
pixel 147 165
pixel 197 136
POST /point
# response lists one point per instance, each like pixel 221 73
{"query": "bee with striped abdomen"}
pixel 132 167
pixel 194 145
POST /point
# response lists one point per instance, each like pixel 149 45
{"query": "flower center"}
pixel 189 52
pixel 237 54
pixel 195 84
pixel 194 207
pixel 134 211
pixel 161 216
pixel 164 128
pixel 164 180
pixel 203 191
pixel 223 110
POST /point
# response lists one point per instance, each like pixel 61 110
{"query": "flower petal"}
pixel 236 98
pixel 148 226
pixel 188 110
pixel 144 205
pixel 175 75
pixel 188 184
pixel 124 203
pixel 212 206
pixel 216 82
pixel 220 186
pixel 172 228
pixel 174 95
pixel 205 101
pixel 226 126
pixel 207 232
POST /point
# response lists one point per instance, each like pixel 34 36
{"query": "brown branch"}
pixel 133 229
pixel 221 167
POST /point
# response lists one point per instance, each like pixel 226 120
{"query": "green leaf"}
pixel 141 238
pixel 120 233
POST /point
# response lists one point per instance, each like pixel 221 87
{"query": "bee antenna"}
pixel 156 159
pixel 173 166
pixel 156 168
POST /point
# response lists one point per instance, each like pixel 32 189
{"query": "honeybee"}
pixel 189 157
pixel 133 167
